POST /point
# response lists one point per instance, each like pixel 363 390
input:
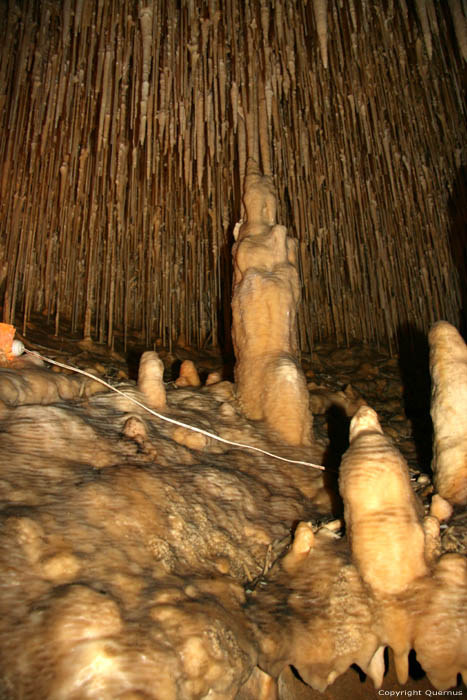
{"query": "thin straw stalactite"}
pixel 125 132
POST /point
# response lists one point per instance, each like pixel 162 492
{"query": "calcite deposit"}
pixel 270 384
pixel 143 560
pixel 170 540
pixel 448 367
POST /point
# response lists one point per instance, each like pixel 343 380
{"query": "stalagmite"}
pixel 269 382
pixel 213 378
pixel 188 375
pixel 381 513
pixel 440 508
pixel 448 367
pixel 383 524
pixel 301 546
pixel 320 9
pixel 150 380
pixel 441 635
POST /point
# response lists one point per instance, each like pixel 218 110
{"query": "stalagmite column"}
pixel 448 368
pixel 270 383
pixel 381 512
pixel 384 526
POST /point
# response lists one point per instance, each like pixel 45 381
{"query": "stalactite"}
pixel 110 120
pixel 424 22
pixel 320 9
pixel 460 26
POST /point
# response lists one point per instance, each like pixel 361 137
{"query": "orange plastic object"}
pixel 7 333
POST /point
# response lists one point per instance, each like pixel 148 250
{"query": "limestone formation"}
pixel 150 380
pixel 383 521
pixel 441 632
pixel 269 381
pixel 381 513
pixel 139 560
pixel 188 375
pixel 448 367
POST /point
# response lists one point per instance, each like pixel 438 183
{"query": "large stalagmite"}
pixel 381 513
pixel 269 382
pixel 448 367
pixel 383 521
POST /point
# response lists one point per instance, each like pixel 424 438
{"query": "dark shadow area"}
pixel 296 674
pixel 338 434
pixel 457 208
pixel 415 670
pixel 224 308
pixel 415 375
pixel 173 372
pixel 133 356
pixel 359 672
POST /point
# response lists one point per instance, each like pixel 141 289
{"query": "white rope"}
pixel 173 420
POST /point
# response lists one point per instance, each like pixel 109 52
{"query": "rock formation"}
pixel 269 382
pixel 140 561
pixel 150 380
pixel 448 368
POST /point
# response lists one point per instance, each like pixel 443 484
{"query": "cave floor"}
pixel 396 386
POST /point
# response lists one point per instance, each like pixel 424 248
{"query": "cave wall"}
pixel 125 131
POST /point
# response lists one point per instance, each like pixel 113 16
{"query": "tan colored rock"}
pixel 150 380
pixel 440 508
pixel 193 440
pixel 432 538
pixel 381 512
pixel 441 636
pixel 270 383
pixel 386 536
pixel 61 568
pixel 213 378
pixel 36 385
pixel 302 544
pixel 321 399
pixel 174 577
pixel 188 375
pixel 260 686
pixel 448 367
